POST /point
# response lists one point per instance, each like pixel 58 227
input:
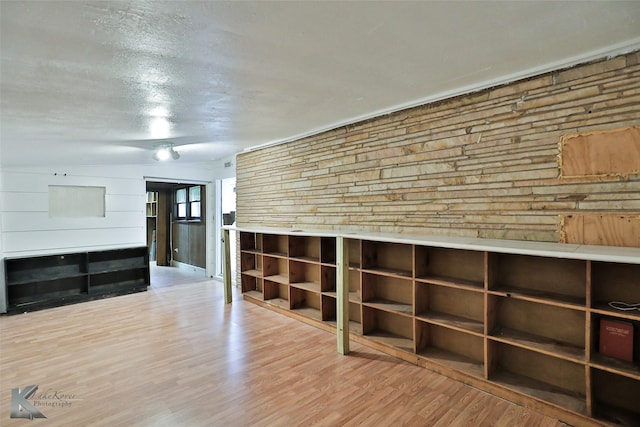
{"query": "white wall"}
pixel 3 296
pixel 27 230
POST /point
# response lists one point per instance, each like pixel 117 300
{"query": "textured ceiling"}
pixel 105 82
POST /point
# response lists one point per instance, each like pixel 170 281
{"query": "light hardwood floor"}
pixel 178 356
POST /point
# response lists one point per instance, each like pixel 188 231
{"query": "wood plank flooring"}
pixel 177 356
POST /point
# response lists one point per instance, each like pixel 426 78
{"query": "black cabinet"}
pixel 34 283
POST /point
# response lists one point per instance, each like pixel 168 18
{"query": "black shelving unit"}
pixel 39 282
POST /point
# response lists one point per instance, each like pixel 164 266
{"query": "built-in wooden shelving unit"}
pixel 34 283
pixel 518 319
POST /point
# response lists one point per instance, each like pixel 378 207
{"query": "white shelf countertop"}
pixel 521 247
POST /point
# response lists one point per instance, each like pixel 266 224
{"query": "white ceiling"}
pixel 105 82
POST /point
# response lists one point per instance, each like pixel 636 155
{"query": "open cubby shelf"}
pixel 278 302
pixel 310 286
pixel 611 364
pixel 34 283
pixel 608 311
pixel 615 398
pixel 312 313
pixel 452 360
pixel 278 278
pixel 452 322
pixel 355 297
pixel 453 348
pixel 452 282
pixel 258 295
pixel 253 272
pixel 538 343
pixel 540 390
pixel 542 297
pixel 521 321
pixel 388 272
pixel 22 271
pixel 620 367
pixel 392 306
pixel 390 339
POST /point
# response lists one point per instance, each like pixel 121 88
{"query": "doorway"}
pixel 177 226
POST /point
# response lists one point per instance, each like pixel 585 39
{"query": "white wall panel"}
pixel 27 228
pixel 3 294
pixel 39 182
pixel 24 202
pixel 38 221
pixel 39 202
pixel 24 182
pixel 52 241
pixel 126 186
pixel 126 203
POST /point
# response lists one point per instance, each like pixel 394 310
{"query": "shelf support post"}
pixel 226 272
pixel 342 290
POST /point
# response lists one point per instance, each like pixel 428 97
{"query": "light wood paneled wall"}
pixel 483 165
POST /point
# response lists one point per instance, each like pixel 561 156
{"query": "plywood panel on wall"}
pixel 480 165
pixel 602 229
pixel 614 152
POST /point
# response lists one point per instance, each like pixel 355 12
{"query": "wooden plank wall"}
pixel 189 237
pixel 485 165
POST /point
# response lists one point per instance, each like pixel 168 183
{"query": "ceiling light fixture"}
pixel 165 153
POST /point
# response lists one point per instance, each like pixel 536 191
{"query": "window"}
pixel 194 202
pixel 188 204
